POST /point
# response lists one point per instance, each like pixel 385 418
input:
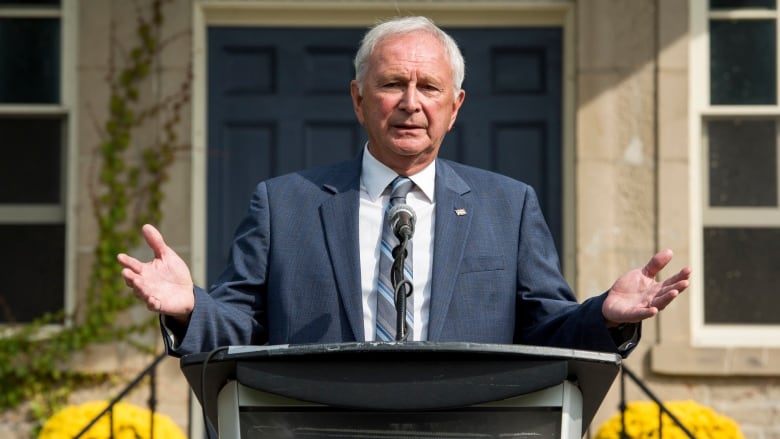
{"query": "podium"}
pixel 400 390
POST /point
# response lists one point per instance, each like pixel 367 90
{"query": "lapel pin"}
pixel 460 212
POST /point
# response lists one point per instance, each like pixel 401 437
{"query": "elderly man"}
pixel 306 262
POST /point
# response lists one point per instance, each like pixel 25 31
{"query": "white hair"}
pixel 406 25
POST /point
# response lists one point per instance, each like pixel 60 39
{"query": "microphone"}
pixel 401 218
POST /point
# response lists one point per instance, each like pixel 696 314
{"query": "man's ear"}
pixel 357 100
pixel 456 106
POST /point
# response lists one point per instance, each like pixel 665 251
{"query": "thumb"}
pixel 657 263
pixel 155 240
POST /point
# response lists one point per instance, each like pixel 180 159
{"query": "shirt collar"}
pixel 376 177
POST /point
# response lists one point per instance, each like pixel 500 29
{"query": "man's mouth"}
pixel 408 127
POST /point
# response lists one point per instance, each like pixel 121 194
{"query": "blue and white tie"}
pixel 386 314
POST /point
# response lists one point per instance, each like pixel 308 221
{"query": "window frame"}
pixel 722 335
pixel 63 212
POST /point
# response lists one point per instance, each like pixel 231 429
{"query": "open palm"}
pixel 637 295
pixel 164 283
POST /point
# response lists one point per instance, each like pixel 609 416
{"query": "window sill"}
pixel 711 361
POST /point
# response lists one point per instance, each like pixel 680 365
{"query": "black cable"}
pixel 203 387
pixel 400 305
pixel 400 283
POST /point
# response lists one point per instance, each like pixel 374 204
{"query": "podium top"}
pixel 252 351
pixel 444 374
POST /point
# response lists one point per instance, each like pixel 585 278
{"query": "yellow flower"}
pixel 130 421
pixel 642 422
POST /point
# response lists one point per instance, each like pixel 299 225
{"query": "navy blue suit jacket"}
pixel 293 275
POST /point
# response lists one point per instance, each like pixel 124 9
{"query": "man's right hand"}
pixel 164 284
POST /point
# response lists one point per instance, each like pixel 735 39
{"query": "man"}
pixel 304 264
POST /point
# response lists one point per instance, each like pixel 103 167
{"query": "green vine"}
pixel 125 194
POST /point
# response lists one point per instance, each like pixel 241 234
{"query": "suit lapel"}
pixel 453 220
pixel 340 223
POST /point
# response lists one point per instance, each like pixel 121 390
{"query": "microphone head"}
pixel 401 218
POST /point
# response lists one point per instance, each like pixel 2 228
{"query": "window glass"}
pixel 740 4
pixel 743 62
pixel 742 275
pixel 35 284
pixel 30 61
pixel 31 162
pixel 742 163
pixel 30 169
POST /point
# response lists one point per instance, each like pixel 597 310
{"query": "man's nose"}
pixel 410 101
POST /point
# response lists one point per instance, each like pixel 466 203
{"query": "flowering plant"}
pixel 642 422
pixel 130 421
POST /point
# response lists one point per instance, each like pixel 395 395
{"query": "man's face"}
pixel 408 101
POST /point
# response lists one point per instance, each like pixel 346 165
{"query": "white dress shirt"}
pixel 374 179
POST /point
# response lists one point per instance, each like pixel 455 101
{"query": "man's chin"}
pixel 409 147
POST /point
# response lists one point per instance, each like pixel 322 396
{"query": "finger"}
pixel 680 286
pixel 640 314
pixel 136 282
pixel 129 262
pixel 128 275
pixel 679 280
pixel 657 263
pixel 155 240
pixel 158 304
pixel 661 301
pixel 154 304
pixel 668 292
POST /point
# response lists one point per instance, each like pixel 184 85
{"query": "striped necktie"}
pixel 386 315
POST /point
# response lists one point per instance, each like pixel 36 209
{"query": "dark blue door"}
pixel 278 101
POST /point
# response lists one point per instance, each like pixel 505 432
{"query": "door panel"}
pixel 511 120
pixel 278 101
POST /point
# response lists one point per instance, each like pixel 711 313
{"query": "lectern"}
pixel 400 390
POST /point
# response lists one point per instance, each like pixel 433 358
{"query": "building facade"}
pixel 654 125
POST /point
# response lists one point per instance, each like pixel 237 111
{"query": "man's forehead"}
pixel 409 51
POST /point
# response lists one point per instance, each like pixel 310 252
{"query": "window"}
pixel 33 139
pixel 739 292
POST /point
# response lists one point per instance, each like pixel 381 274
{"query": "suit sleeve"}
pixel 233 311
pixel 548 313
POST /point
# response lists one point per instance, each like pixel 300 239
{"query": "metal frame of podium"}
pixel 412 384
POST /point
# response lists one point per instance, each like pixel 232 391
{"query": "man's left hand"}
pixel 637 295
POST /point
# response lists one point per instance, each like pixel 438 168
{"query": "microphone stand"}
pixel 402 289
